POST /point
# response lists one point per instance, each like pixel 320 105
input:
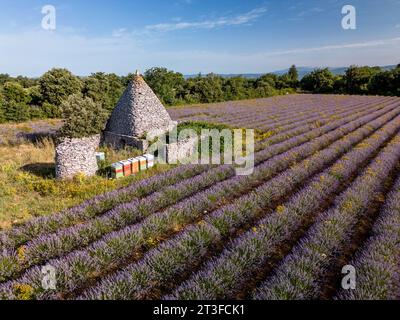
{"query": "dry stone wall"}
pixel 75 156
pixel 139 112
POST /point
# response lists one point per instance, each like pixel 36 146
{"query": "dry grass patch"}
pixel 28 187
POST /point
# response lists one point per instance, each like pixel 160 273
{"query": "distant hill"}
pixel 302 72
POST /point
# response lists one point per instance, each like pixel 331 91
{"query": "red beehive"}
pixel 134 165
pixel 127 168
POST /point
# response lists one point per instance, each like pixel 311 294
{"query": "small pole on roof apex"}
pixel 137 73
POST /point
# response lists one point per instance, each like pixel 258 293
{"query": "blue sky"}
pixel 191 36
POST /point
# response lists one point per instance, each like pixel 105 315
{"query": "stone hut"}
pixel 74 156
pixel 138 114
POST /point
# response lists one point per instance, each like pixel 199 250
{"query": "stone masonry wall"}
pixel 139 112
pixel 74 156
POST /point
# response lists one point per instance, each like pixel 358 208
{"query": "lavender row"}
pixel 318 117
pixel 279 111
pixel 160 263
pixel 257 116
pixel 307 127
pixel 88 209
pixel 278 163
pixel 300 274
pixel 268 106
pixel 230 217
pixel 298 116
pixel 225 275
pixel 377 264
pixel 93 207
pixel 229 112
pixel 46 247
pixel 293 155
pixel 57 244
pixel 10 239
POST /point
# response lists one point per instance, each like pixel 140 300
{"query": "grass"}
pixel 28 187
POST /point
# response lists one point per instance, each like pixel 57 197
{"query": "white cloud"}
pixel 34 52
pixel 210 24
pixel 397 26
pixel 365 44
pixel 118 33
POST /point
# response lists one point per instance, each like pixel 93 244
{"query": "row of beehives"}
pixel 131 166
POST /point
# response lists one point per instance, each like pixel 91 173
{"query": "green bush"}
pixel 319 81
pixel 82 117
pixel 57 84
pixel 15 104
pixel 2 109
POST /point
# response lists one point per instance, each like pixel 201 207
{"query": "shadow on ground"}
pixel 43 170
pixel 37 137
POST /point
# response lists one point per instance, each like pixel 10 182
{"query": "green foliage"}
pixel 319 81
pixel 293 73
pixel 235 88
pixel 51 111
pixel 167 85
pixel 2 109
pixel 16 99
pixel 22 98
pixel 198 126
pixel 102 88
pixel 82 117
pixel 57 84
pixel 358 78
pixel 4 77
pixel 208 89
pixel 293 77
pixel 386 83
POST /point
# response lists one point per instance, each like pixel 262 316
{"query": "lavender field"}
pixel 325 193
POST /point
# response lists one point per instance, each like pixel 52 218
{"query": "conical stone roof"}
pixel 139 112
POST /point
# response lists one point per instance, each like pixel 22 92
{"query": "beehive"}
pixel 127 168
pixel 134 165
pixel 117 170
pixel 100 156
pixel 142 163
pixel 150 160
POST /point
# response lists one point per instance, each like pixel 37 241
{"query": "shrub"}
pixel 57 84
pixel 82 117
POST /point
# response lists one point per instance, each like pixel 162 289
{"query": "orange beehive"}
pixel 134 165
pixel 126 167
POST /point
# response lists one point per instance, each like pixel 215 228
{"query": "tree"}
pixel 386 83
pixel 209 88
pixel 4 77
pixel 116 88
pixel 235 88
pixel 319 81
pixel 339 85
pixel 103 88
pixel 16 99
pixel 358 78
pixel 82 117
pixel 293 74
pixel 167 85
pixel 2 109
pixel 57 84
pixel 267 79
